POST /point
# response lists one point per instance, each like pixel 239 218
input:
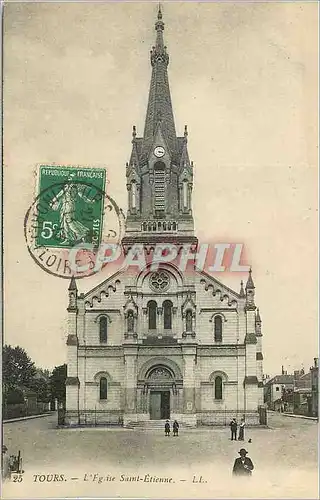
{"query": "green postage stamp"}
pixel 70 206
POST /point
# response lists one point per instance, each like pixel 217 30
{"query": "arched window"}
pixel 152 315
pixel 103 327
pixel 103 388
pixel 218 329
pixel 130 321
pixel 189 321
pixel 185 194
pixel 218 388
pixel 167 315
pixel 133 195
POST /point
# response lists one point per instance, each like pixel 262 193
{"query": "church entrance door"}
pixel 159 405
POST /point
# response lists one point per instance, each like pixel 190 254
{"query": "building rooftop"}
pixel 281 379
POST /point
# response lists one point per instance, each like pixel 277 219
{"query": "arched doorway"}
pixel 160 381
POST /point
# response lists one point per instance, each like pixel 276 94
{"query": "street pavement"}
pixel 121 462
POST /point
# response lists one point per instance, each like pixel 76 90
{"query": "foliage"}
pixel 42 388
pixel 57 383
pixel 18 369
pixel 14 396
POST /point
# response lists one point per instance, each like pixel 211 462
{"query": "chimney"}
pixel 282 370
pixel 315 362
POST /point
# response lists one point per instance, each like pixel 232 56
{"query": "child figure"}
pixel 167 428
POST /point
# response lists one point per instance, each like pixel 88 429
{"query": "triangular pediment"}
pixel 159 141
pixel 215 286
pixel 104 289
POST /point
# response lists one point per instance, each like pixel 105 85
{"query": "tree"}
pixel 18 369
pixel 42 388
pixel 57 383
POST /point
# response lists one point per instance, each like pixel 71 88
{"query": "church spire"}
pixel 250 284
pixel 159 109
pixel 250 292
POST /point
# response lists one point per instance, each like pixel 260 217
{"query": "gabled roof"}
pixel 281 379
pixel 218 285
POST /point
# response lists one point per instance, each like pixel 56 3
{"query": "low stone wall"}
pixel 19 410
pixel 223 418
pixel 93 418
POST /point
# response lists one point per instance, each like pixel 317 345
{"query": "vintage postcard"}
pixel 160 265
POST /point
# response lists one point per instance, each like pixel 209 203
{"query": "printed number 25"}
pixel 47 230
pixel 17 478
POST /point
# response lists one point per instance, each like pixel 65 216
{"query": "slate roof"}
pixel 281 379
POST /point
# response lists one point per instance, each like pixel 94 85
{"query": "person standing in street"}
pixel 233 427
pixel 241 430
pixel 243 466
pixel 175 428
pixel 167 428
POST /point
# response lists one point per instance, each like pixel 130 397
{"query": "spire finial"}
pixel 159 23
pixel 242 294
pixel 258 317
pixel 250 284
pixel 73 284
pixel 186 131
pixel 134 131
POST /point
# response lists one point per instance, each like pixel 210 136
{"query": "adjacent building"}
pixel 278 392
pixel 297 393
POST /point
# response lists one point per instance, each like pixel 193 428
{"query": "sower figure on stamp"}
pixel 241 430
pixel 71 229
pixel 233 427
pixel 175 428
pixel 243 466
pixel 167 428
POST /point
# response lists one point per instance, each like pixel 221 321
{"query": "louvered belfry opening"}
pixel 159 188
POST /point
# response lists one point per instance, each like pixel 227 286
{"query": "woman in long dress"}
pixel 71 229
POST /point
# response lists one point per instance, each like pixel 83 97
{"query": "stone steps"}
pixel 149 424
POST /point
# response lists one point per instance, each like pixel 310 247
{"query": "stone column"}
pixel 189 410
pixel 130 381
pixel 175 326
pixel 72 380
pixel 160 321
pixel 251 380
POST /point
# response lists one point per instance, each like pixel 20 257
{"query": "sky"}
pixel 243 77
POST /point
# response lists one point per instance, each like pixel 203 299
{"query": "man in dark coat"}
pixel 243 466
pixel 167 428
pixel 233 427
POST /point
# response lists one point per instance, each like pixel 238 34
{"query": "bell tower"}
pixel 159 173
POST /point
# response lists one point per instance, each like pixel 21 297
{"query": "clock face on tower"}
pixel 159 151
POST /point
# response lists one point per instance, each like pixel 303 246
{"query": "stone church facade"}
pixel 160 344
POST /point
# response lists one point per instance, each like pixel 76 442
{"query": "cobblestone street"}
pixel 284 455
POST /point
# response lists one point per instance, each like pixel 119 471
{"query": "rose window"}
pixel 160 281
